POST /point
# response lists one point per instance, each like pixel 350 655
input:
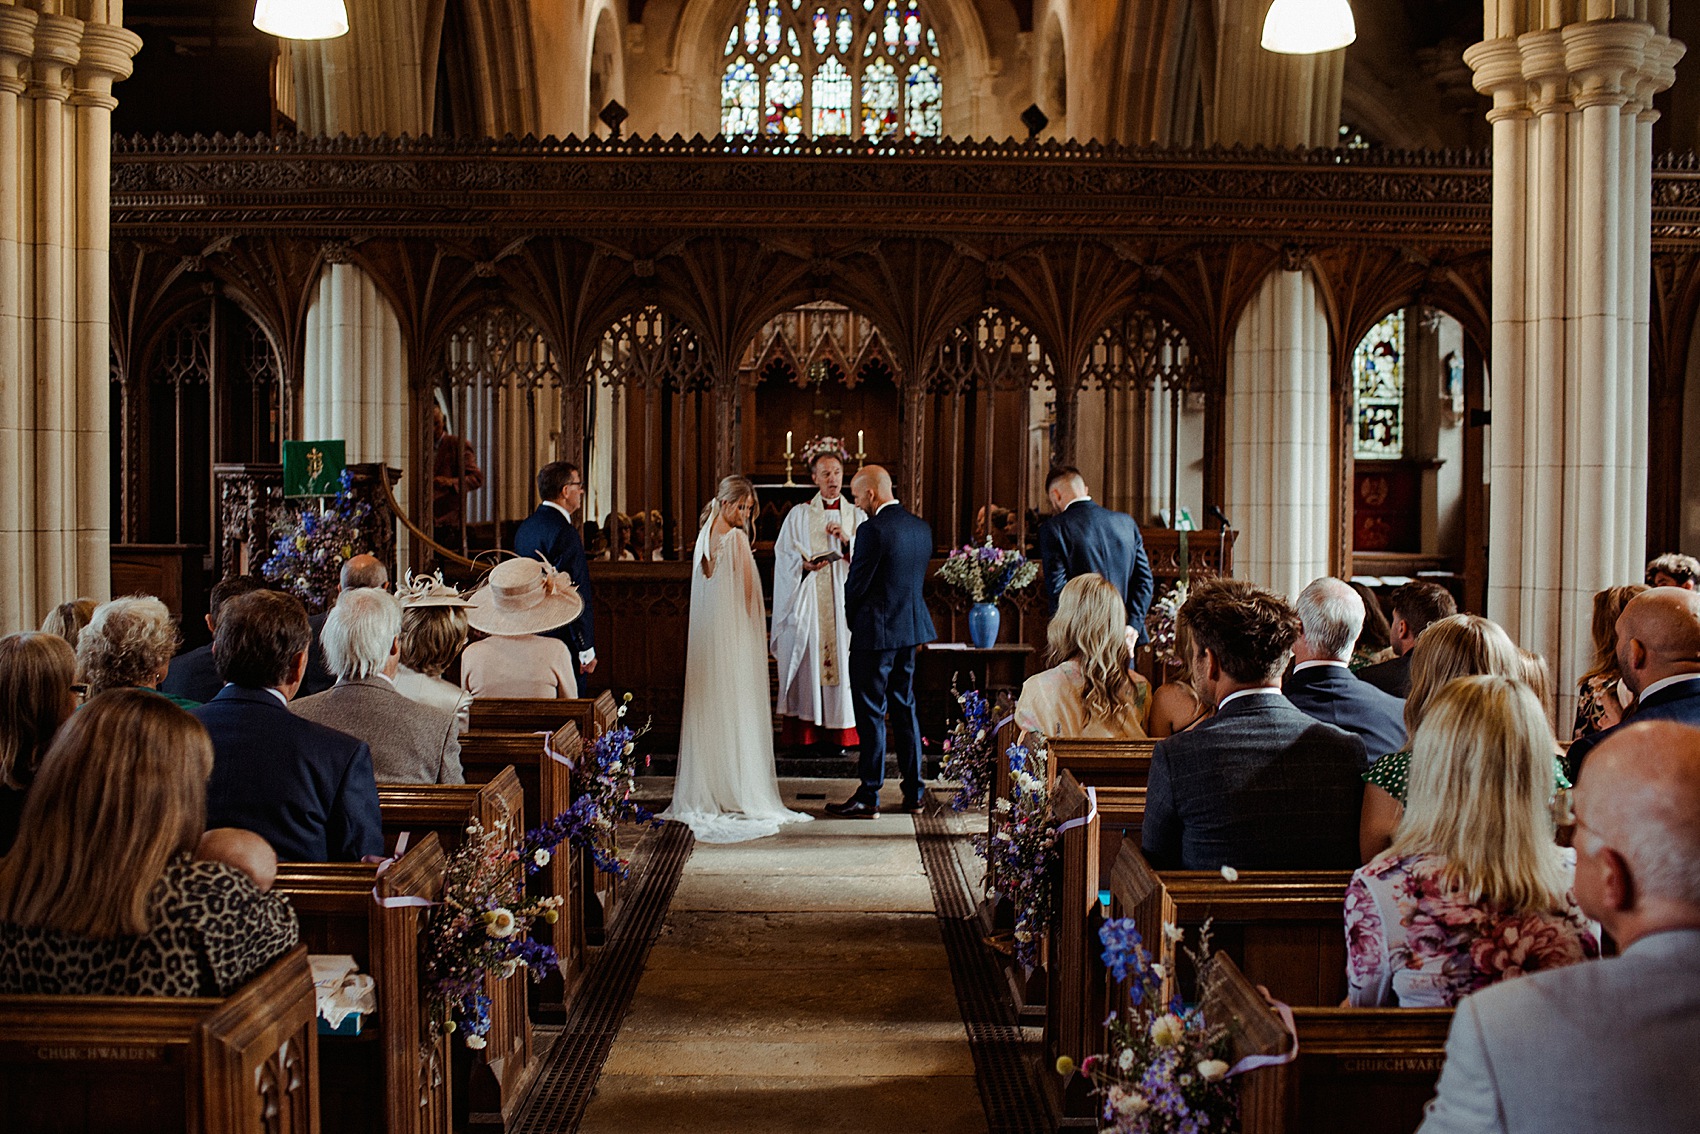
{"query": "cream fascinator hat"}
pixel 523 596
pixel 427 590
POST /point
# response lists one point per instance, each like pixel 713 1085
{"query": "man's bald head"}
pixel 1638 829
pixel 365 571
pixel 1658 636
pixel 871 487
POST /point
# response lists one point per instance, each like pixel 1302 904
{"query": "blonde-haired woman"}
pixel 1474 889
pixel 68 619
pixel 1462 645
pixel 128 645
pixel 726 788
pixel 96 902
pixel 434 631
pixel 37 672
pixel 1089 690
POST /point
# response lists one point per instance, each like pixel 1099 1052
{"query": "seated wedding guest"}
pixel 1473 889
pixel 1658 653
pixel 1463 645
pixel 1375 640
pixel 1674 570
pixel 1089 691
pixel 433 633
pixel 306 789
pixel 36 675
pixel 520 600
pixel 68 619
pixel 1608 1046
pixel 101 896
pixel 128 645
pixel 1322 686
pixel 358 571
pixel 1603 697
pixel 193 674
pixel 1258 786
pixel 411 743
pixel 1415 606
pixel 1175 704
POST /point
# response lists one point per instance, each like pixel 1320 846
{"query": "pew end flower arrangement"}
pixel 482 928
pixel 1021 849
pixel 310 550
pixel 1167 1070
pixel 968 751
pixel 605 778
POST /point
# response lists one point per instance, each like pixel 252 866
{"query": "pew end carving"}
pixel 243 1064
pixel 1119 771
pixel 1077 993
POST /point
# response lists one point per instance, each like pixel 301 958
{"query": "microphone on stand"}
pixel 1215 511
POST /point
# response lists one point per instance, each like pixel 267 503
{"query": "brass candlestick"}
pixel 789 456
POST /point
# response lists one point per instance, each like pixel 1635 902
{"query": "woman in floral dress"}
pixel 1474 889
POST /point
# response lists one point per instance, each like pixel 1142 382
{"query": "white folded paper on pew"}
pixel 340 990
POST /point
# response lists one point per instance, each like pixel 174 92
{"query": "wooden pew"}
pixel 592 715
pixel 1119 770
pixel 1367 1070
pixel 490 1083
pixel 385 1079
pixel 547 788
pixel 1285 929
pixel 1076 996
pixel 244 1064
pixel 1027 990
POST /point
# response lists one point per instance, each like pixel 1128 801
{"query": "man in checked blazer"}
pixel 1259 785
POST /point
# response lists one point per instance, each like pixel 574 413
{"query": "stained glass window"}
pixel 794 69
pixel 1378 378
pixel 831 99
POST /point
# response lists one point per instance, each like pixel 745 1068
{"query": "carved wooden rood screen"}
pixel 638 291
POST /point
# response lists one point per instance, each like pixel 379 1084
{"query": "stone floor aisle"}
pixel 800 984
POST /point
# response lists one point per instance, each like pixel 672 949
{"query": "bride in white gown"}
pixel 726 789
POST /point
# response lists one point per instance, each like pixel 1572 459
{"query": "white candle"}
pixel 787 442
pixel 859 449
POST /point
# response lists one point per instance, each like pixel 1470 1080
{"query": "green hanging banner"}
pixel 313 468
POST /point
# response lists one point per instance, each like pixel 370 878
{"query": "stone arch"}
pixel 694 54
pixel 605 67
pixel 1050 87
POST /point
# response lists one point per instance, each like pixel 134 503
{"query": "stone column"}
pixel 354 377
pixel 56 76
pixel 1280 481
pixel 1572 229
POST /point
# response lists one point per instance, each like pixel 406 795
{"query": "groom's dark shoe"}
pixel 919 803
pixel 853 808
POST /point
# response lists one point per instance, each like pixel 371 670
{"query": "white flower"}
pixel 1212 1070
pixel 472 829
pixel 475 1041
pixel 631 746
pixel 1125 1059
pixel 1159 970
pixel 1128 1104
pixel 1230 873
pixel 1172 933
pixel 1167 1030
pixel 541 856
pixel 499 922
pixel 509 968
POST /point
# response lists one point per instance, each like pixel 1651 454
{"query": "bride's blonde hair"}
pixel 733 489
pixel 1090 627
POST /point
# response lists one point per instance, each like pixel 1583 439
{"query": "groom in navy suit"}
pixel 550 530
pixel 1084 537
pixel 888 619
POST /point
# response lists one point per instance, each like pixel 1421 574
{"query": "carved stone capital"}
pixel 1605 59
pixel 17 36
pixel 107 50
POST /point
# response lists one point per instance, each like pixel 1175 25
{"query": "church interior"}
pixel 1418 308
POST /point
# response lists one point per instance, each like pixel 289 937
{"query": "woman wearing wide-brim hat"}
pixel 520 600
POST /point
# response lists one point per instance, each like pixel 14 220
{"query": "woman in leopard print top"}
pixel 101 895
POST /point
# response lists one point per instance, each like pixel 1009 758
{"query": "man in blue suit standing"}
pixel 888 619
pixel 1658 650
pixel 1084 537
pixel 550 530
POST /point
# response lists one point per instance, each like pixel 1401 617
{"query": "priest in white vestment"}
pixel 810 637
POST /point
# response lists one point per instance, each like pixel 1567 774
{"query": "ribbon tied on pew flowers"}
pixel 605 782
pixel 482 929
pixel 1170 1067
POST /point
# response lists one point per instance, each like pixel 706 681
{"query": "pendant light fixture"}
pixel 304 19
pixel 1308 27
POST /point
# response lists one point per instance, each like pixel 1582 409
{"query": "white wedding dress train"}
pixel 726 789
